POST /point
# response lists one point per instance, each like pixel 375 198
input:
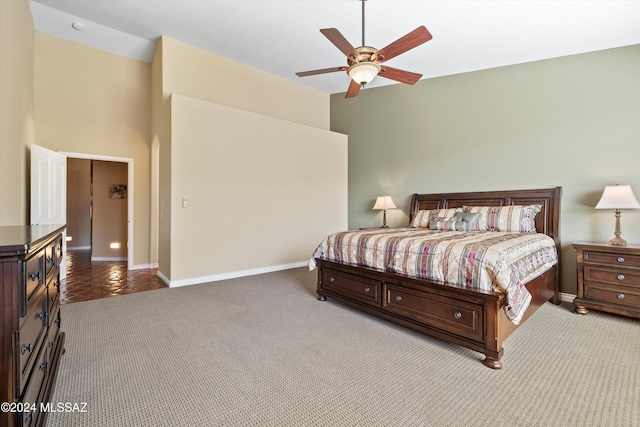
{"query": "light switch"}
pixel 184 202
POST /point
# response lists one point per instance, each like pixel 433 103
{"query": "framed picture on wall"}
pixel 118 191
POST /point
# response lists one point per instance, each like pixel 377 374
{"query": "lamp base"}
pixel 384 219
pixel 618 241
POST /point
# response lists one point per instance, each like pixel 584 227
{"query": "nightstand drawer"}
pixel 622 260
pixel 617 277
pixel 617 295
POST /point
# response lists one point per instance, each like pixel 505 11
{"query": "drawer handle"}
pixel 52 299
pixel 35 276
pixel 398 298
pixel 50 259
pixel 620 259
pixel 620 296
pixel 44 366
pixel 457 315
pixel 620 276
pixel 57 322
pixel 28 415
pixel 332 279
pixel 42 315
pixel 367 289
pixel 57 284
pixel 26 348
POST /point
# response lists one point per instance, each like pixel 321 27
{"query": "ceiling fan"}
pixel 365 61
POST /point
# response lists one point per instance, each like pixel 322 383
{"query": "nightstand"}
pixel 608 278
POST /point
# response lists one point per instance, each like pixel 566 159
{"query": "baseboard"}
pixel 230 275
pixel 144 266
pixel 112 259
pixel 564 297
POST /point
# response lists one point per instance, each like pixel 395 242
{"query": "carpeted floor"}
pixel 262 351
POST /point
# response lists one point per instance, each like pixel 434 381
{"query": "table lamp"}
pixel 618 197
pixel 383 203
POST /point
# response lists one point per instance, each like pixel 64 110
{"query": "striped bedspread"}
pixel 491 261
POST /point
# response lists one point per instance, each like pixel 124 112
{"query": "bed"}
pixel 465 312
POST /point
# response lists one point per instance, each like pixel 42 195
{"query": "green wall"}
pixel 572 122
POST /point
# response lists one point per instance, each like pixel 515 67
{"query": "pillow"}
pixel 517 218
pixel 468 221
pixel 422 218
pixel 444 223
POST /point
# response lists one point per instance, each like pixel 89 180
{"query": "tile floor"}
pixel 87 280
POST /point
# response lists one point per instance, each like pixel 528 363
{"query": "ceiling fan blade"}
pixel 354 89
pixel 340 42
pixel 414 38
pixel 399 75
pixel 322 71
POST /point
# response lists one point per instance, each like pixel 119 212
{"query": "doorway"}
pixel 49 193
pixel 129 195
pixel 97 208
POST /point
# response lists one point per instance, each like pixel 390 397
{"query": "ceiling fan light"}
pixel 363 72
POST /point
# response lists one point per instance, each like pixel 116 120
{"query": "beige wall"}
pixel 16 109
pixel 93 102
pixel 230 133
pixel 572 122
pixel 79 203
pixel 161 129
pixel 193 72
pixel 109 213
pixel 260 192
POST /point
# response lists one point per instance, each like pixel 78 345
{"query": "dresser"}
pixel 608 278
pixel 32 341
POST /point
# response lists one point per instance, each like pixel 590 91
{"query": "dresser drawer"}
pixel 53 290
pixel 613 276
pixel 31 334
pixel 33 277
pixel 623 260
pixel 54 328
pixel 616 295
pixel 34 391
pixel 58 251
pixel 50 258
pixel 449 314
pixel 359 288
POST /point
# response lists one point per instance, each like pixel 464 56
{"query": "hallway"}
pixel 87 280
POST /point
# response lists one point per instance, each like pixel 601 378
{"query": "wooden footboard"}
pixel 470 318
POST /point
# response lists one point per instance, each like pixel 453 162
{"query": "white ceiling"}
pixel 282 37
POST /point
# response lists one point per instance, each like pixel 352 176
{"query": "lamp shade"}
pixel 363 72
pixel 384 203
pixel 618 197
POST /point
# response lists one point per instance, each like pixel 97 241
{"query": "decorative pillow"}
pixel 519 218
pixel 442 223
pixel 422 218
pixel 468 221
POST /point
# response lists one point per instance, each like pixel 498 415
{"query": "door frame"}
pixel 130 194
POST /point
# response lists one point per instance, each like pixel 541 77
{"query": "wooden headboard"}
pixel 547 221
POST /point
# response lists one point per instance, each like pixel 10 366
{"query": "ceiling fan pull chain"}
pixel 363 44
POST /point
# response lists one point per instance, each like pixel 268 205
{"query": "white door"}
pixel 49 192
